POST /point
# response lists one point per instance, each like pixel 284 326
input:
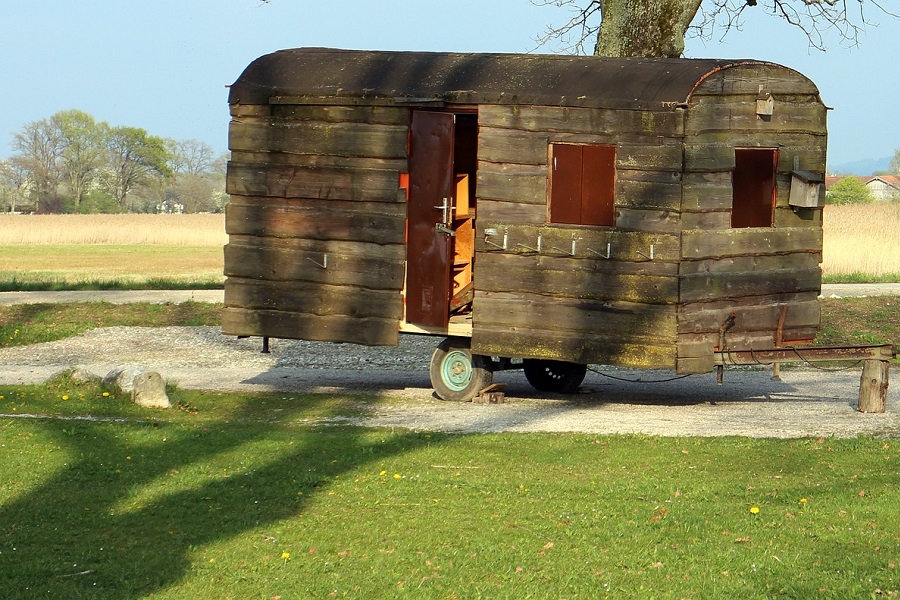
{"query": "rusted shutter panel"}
pixel 565 183
pixel 598 185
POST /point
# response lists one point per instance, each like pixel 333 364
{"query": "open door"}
pixel 440 250
pixel 430 214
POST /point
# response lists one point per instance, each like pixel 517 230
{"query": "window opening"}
pixel 753 187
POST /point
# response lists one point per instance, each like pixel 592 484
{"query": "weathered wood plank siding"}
pixel 316 222
pixel 590 294
pixel 317 219
pixel 753 273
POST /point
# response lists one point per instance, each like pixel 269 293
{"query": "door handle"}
pixel 446 209
pixel 443 208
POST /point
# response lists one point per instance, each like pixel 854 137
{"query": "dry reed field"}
pixel 74 249
pixel 862 238
pixel 124 230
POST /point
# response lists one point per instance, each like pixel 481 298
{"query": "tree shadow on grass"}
pixel 108 525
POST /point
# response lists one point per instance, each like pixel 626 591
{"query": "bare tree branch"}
pixel 580 30
pixel 819 20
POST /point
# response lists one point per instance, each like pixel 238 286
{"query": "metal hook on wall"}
pixel 491 231
pixel 540 242
pixel 608 249
pixel 569 252
pixel 644 255
pixel 321 265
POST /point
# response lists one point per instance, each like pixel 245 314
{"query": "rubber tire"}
pixel 457 374
pixel 553 375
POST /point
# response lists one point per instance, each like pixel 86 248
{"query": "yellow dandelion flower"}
pixel 383 473
pixel 105 394
pixel 803 500
pixel 65 396
pixel 754 510
pixel 285 555
pixel 397 475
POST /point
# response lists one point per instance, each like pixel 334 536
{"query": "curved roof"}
pixel 549 80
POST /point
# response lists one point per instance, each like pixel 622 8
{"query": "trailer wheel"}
pixel 456 373
pixel 554 375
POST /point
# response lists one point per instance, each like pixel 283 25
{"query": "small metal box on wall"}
pixel 805 189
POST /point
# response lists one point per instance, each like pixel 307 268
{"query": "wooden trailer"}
pixel 561 210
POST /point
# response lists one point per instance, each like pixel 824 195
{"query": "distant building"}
pixel 883 187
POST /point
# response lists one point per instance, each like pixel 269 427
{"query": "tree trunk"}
pixel 644 28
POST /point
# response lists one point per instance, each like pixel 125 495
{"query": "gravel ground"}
pixel 804 403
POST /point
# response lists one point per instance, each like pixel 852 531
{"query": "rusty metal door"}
pixel 429 247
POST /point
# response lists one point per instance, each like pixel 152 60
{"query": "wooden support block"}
pixel 873 386
pixel 492 394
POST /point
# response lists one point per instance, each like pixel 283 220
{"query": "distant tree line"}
pixel 71 163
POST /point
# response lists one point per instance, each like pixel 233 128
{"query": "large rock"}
pixel 122 378
pixel 149 390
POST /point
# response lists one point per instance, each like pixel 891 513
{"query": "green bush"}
pixel 99 203
pixel 849 190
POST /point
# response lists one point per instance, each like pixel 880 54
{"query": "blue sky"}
pixel 164 65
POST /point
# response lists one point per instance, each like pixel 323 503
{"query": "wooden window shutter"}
pixel 582 184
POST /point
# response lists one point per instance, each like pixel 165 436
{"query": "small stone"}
pixel 149 390
pixel 122 378
pixel 84 376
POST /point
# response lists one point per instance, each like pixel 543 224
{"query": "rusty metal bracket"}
pixel 726 325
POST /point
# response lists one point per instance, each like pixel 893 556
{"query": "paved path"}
pixel 858 290
pixel 830 290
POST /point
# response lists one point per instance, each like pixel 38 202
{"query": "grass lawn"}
pixel 258 497
pixel 24 324
pixel 272 496
pixel 862 321
pixel 106 266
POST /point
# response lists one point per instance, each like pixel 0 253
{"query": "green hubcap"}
pixel 456 370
